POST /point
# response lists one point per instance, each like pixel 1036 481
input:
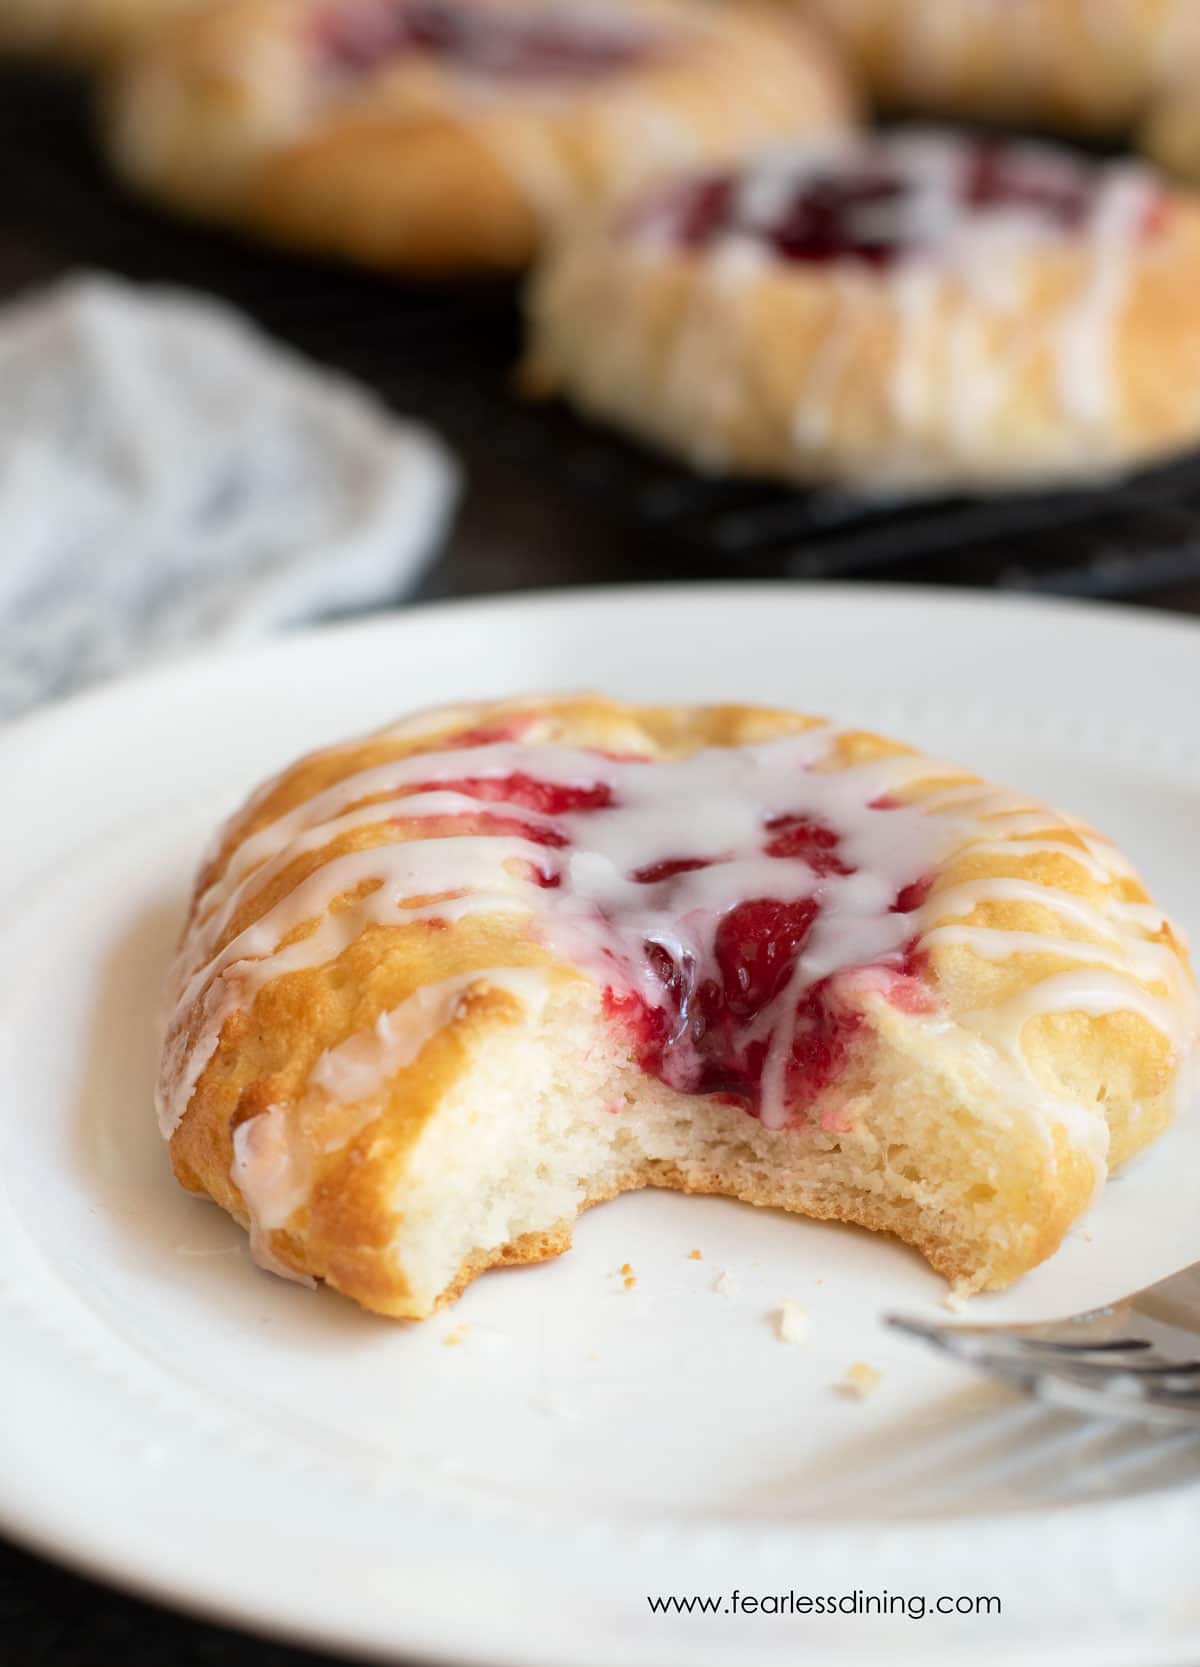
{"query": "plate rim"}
pixel 294 640
pixel 33 1529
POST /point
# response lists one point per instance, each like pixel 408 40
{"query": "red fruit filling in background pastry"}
pixel 878 208
pixel 357 37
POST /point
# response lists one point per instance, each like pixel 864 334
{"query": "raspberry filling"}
pixel 357 37
pixel 740 909
pixel 705 1035
pixel 879 204
pixel 548 798
pixel 519 791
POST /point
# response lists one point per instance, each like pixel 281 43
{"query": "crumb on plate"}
pixel 694 1256
pixel 725 1285
pixel 791 1323
pixel 859 1381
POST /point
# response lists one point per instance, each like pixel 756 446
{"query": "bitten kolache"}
pixel 446 986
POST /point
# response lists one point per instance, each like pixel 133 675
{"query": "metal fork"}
pixel 1137 1360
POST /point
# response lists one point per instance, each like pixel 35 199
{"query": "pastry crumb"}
pixel 725 1285
pixel 630 1281
pixel 1087 1237
pixel 955 1300
pixel 791 1323
pixel 694 1256
pixel 626 1269
pixel 452 1339
pixel 859 1381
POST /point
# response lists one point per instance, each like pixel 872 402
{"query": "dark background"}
pixel 548 502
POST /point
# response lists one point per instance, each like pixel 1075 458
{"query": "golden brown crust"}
pixel 1126 68
pixel 421 168
pixel 429 195
pixel 364 1170
pixel 1170 131
pixel 1069 64
pixel 86 32
pixel 806 374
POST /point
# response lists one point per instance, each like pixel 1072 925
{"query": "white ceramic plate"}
pixel 179 1422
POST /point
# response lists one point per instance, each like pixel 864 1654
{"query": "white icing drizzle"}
pixel 1087 338
pixel 913 384
pixel 356 1068
pixel 714 805
pixel 964 898
pixel 1153 962
pixel 1095 990
pixel 271 1181
pixel 230 979
pixel 816 409
pixel 967 324
pixel 1083 858
pixel 272 1161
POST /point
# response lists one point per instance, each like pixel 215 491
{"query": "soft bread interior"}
pixel 554 1115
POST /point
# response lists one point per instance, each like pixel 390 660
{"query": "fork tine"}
pixel 1183 1400
pixel 1112 1391
pixel 1104 1362
pixel 1156 1393
pixel 1125 1395
pixel 973 1349
pixel 1138 1368
pixel 1112 1345
pixel 1069 1395
pixel 964 1339
pixel 1181 1384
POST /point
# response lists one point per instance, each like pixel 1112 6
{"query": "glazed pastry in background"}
pixel 1087 66
pixel 440 136
pixel 82 31
pixel 444 987
pixel 921 313
pixel 1170 132
pixel 1171 135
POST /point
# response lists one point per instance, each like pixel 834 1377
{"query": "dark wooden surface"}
pixel 518 528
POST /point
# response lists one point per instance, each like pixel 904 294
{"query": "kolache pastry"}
pixel 1083 66
pixel 444 987
pixel 441 136
pixel 82 31
pixel 1170 133
pixel 923 312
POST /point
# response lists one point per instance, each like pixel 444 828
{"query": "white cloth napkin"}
pixel 168 474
